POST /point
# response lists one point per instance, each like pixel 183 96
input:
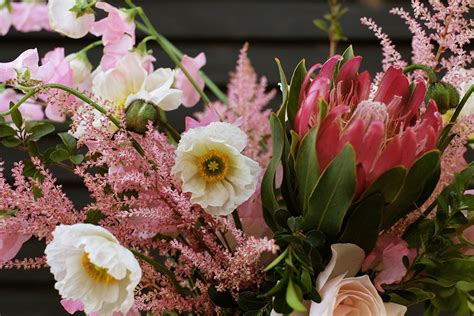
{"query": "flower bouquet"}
pixel 352 199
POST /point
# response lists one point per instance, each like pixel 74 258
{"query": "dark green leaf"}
pixel 94 216
pixel 333 195
pixel 307 169
pixel 365 218
pixel 11 142
pixel 295 223
pixel 316 238
pixel 6 131
pixel 285 92
pixel 16 117
pixel 306 282
pixel 269 200
pixel 69 141
pixel 59 155
pixel 40 130
pixel 221 299
pixel 248 301
pixel 294 297
pixel 388 184
pixel 295 86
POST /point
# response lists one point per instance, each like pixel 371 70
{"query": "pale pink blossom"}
pixel 5 21
pixel 27 60
pixel 30 17
pixel 12 241
pixel 387 259
pixel 29 110
pixel 115 51
pixel 209 118
pixel 192 65
pixel 115 26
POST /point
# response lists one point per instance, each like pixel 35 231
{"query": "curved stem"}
pixel 431 74
pixel 89 47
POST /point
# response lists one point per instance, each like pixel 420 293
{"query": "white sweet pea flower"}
pixel 64 21
pixel 91 266
pixel 81 71
pixel 469 106
pixel 211 166
pixel 129 81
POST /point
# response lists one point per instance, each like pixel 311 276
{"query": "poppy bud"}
pixel 139 113
pixel 445 96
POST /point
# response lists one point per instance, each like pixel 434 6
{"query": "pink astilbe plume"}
pixel 248 100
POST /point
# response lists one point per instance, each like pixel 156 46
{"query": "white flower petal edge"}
pixel 90 265
pixel 211 166
pixel 64 21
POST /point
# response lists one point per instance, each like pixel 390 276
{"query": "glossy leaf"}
pixel 388 184
pixel 6 131
pixel 11 142
pixel 294 297
pixel 285 92
pixel 69 141
pixel 363 225
pixel 17 118
pixel 59 155
pixel 295 86
pixel 333 195
pixel 307 169
pixel 40 130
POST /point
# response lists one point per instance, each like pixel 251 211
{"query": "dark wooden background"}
pixel 274 28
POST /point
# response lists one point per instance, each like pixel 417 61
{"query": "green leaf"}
pixel 307 169
pixel 94 216
pixel 76 159
pixel 269 200
pixel 221 299
pixel 16 117
pixel 69 141
pixel 33 149
pixel 457 269
pixel 295 86
pixel 365 218
pixel 333 195
pixel 59 155
pixel 248 301
pixel 11 142
pixel 41 129
pixel 294 297
pixel 306 281
pixel 421 171
pixel 388 184
pixel 295 223
pixel 321 24
pixel 285 92
pixel 275 262
pixel 6 131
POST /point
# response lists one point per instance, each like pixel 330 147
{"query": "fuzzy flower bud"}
pixel 445 96
pixel 139 113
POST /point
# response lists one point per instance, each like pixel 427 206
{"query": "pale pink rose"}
pixel 27 60
pixel 11 242
pixel 30 17
pixel 73 306
pixel 29 110
pixel 115 26
pixel 66 22
pixel 192 65
pixel 113 52
pixel 387 259
pixel 344 294
pixel 5 21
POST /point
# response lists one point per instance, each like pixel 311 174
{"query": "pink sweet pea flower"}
pixel 73 306
pixel 27 60
pixel 29 110
pixel 30 17
pixel 114 26
pixel 5 21
pixel 11 242
pixel 192 65
pixel 114 52
pixel 210 117
pixel 387 259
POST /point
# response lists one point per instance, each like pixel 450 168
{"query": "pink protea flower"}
pixel 192 65
pixel 387 130
pixel 387 259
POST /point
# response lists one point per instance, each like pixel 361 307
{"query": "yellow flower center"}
pixel 97 273
pixel 213 166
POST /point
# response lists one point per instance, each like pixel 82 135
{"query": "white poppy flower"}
pixel 81 71
pixel 64 21
pixel 90 265
pixel 210 165
pixel 129 81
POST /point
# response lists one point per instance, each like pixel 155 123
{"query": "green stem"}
pixel 161 268
pixel 236 217
pixel 167 50
pixel 89 47
pixel 431 74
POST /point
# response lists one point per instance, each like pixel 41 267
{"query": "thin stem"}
pixel 431 74
pixel 236 217
pixel 89 47
pixel 161 268
pixel 173 50
pixel 168 51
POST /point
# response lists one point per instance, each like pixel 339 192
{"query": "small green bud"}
pixel 139 113
pixel 445 95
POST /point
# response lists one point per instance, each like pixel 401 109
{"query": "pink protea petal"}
pixel 409 145
pixel 363 86
pixel 390 157
pixel 325 145
pixel 348 73
pixel 372 142
pixel 394 83
pixel 192 65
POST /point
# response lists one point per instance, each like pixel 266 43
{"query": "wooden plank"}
pixel 263 20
